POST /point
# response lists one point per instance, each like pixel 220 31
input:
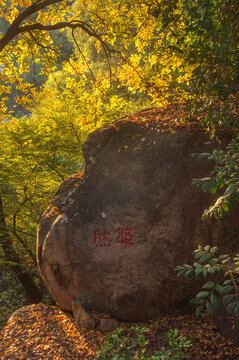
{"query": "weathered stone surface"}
pixel 118 230
pixel 83 316
pixel 108 325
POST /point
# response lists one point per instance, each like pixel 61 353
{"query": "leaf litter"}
pixel 45 332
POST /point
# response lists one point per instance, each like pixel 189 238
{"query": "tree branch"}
pixel 54 50
pixel 83 56
pixel 14 28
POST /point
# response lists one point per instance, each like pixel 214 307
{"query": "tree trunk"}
pixel 32 292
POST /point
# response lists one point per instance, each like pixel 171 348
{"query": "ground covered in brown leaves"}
pixel 45 332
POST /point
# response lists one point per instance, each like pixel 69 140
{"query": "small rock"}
pixel 83 316
pixel 108 324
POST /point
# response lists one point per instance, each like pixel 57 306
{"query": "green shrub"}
pixel 134 346
pixel 223 284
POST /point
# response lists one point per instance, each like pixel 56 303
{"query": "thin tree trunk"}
pixel 32 292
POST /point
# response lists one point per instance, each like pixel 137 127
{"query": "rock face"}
pixel 118 229
pixel 83 316
pixel 108 325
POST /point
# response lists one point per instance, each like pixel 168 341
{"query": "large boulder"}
pixel 117 230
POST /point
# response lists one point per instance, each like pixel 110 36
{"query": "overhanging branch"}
pixel 74 24
pixel 14 28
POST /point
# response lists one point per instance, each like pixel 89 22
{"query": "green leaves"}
pixel 197 300
pixel 205 257
pixel 203 294
pixel 230 307
pixel 209 285
pixel 198 311
pixel 225 287
pixel 219 288
pixel 185 269
pixel 224 175
pixel 215 301
pixel 228 298
pixel 134 345
pixel 210 308
pixel 207 184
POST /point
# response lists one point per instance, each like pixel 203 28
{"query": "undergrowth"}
pixel 134 346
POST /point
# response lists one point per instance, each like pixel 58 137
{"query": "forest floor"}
pixel 45 332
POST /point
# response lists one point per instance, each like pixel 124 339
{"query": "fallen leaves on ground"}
pixel 44 332
pixel 168 118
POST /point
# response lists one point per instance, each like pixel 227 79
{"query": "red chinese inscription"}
pixel 103 238
pixel 125 236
